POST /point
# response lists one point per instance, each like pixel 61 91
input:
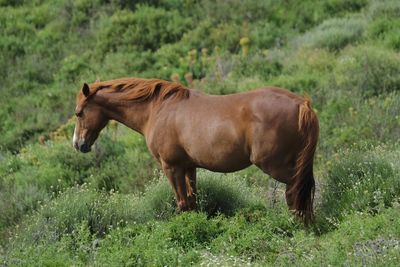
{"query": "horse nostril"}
pixel 84 148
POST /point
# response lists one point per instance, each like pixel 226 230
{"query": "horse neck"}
pixel 134 115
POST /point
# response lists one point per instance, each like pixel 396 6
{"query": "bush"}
pixel 333 34
pixel 128 64
pixel 216 194
pixel 370 70
pixel 360 182
pixel 256 234
pixel 145 29
pixel 361 239
pixel 385 31
pixel 386 8
pixel 226 194
pixel 266 35
pixel 87 225
pixel 346 120
pixel 208 35
pixel 306 72
pixel 258 65
pixel 300 83
pixel 250 238
pixel 40 172
pixel 343 6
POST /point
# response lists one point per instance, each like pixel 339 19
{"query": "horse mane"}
pixel 140 90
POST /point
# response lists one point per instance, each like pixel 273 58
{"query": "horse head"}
pixel 90 120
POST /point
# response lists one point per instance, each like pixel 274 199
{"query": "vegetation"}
pixel 114 207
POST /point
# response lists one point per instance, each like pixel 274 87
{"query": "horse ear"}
pixel 85 90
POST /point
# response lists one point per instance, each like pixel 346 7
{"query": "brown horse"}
pixel 186 129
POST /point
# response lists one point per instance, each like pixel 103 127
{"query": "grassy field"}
pixel 114 207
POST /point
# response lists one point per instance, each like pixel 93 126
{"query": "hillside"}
pixel 114 207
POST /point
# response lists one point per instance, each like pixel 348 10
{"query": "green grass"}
pixel 114 207
pixel 252 236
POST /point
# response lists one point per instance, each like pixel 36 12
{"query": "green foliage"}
pixel 40 172
pixel 370 70
pixel 225 194
pixel 347 121
pixel 254 237
pixel 333 34
pixel 361 182
pixel 386 8
pixel 146 29
pixel 113 207
pixel 344 6
pixel 257 65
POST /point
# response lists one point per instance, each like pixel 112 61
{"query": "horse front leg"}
pixel 191 190
pixel 176 177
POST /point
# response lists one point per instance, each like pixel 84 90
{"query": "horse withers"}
pixel 186 129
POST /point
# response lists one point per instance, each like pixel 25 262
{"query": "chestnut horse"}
pixel 186 129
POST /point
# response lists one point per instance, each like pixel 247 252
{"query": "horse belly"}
pixel 220 154
pixel 220 161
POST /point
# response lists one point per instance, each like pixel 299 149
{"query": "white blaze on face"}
pixel 75 139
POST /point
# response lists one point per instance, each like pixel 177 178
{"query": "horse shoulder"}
pixel 162 138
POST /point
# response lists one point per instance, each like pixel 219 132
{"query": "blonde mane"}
pixel 140 90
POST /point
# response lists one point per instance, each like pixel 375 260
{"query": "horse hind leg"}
pixel 281 172
pixel 191 190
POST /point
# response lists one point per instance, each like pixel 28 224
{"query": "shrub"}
pixel 369 70
pixel 301 83
pixel 315 61
pixel 386 8
pixel 333 34
pixel 343 6
pixel 360 182
pixel 62 216
pixel 197 230
pixel 40 172
pixel 208 35
pixel 361 239
pixel 346 120
pixel 266 35
pixel 127 64
pixel 218 193
pixel 145 29
pixel 250 238
pixel 19 200
pixel 256 234
pixel 386 31
pixel 258 64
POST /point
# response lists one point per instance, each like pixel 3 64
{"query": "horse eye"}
pixel 79 114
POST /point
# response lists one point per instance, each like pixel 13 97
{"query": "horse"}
pixel 186 129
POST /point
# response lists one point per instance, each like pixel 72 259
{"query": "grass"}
pixel 114 206
pixel 253 236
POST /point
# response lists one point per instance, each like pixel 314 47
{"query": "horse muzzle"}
pixel 82 147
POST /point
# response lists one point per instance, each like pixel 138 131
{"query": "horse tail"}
pixel 303 187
